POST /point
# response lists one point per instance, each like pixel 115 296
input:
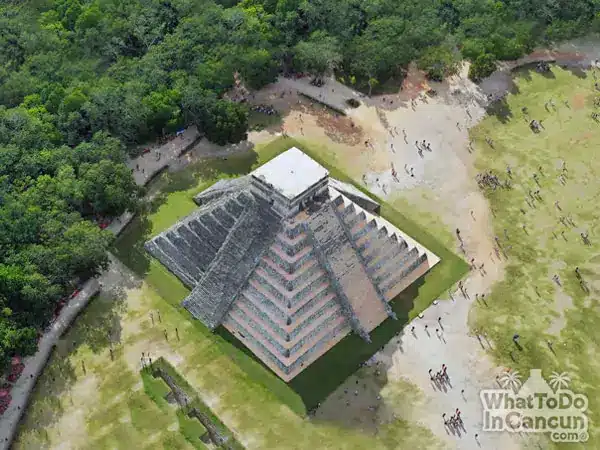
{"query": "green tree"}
pixel 28 294
pixel 108 188
pixel 482 67
pixel 319 55
pixel 440 61
pixel 221 121
pixel 163 110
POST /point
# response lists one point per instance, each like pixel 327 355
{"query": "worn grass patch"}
pixel 527 301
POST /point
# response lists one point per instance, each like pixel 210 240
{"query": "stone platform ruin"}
pixel 290 261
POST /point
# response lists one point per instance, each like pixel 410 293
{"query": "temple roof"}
pixel 291 173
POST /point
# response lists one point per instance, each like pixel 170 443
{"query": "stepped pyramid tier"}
pixel 290 261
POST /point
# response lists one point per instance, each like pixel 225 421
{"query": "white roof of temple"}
pixel 291 173
pixel 290 286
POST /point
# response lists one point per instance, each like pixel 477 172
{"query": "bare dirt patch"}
pixel 339 128
pixel 578 101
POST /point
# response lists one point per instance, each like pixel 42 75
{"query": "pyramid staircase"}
pixel 390 262
pixel 288 314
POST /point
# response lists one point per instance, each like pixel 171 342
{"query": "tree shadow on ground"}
pixel 56 379
pixel 206 172
pixel 99 327
pixel 500 109
pixel 258 121
pixel 576 69
pixel 392 85
pixel 525 71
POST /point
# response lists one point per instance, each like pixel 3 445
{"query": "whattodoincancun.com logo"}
pixel 536 406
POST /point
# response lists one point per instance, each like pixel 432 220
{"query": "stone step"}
pixel 373 241
pixel 176 256
pixel 377 251
pixel 394 276
pixel 364 234
pixel 276 311
pixel 321 289
pixel 206 251
pixel 205 235
pixel 224 218
pixel 245 316
pixel 396 288
pixel 268 353
pixel 386 254
pixel 277 249
pixel 182 274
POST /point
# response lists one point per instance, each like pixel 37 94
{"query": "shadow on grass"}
pixel 500 109
pixel 258 121
pixel 576 70
pixel 526 70
pixel 100 325
pixel 45 407
pixel 324 375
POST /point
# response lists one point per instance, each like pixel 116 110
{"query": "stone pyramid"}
pixel 291 271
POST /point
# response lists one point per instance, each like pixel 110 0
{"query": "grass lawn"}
pixel 527 301
pixel 190 428
pixel 108 405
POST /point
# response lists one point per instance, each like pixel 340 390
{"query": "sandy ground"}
pixel 443 184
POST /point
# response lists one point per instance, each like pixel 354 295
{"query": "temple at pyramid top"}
pixel 290 261
pixel 289 179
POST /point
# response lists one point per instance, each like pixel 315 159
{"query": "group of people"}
pixel 265 109
pixel 490 180
pixel 454 421
pixel 424 145
pixel 441 376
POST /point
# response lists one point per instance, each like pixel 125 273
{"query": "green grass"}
pixel 196 403
pixel 156 389
pixel 567 316
pixel 324 375
pixel 191 429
